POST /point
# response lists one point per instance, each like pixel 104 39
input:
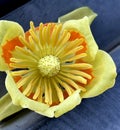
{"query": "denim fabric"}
pixel 99 113
pixel 105 28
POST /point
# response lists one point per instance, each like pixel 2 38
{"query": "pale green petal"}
pixel 67 105
pixel 3 65
pixel 83 27
pixel 19 99
pixel 8 31
pixel 104 71
pixel 78 14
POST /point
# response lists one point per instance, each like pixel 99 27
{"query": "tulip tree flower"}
pixel 52 67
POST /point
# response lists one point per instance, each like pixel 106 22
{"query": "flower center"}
pixel 49 65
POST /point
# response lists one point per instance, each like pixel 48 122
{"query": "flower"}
pixel 52 67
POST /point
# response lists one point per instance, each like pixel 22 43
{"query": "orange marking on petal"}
pixel 54 104
pixel 74 35
pixel 65 94
pixel 17 78
pixel 31 96
pixel 84 49
pixel 9 47
pixel 21 89
pixel 90 72
pixel 77 35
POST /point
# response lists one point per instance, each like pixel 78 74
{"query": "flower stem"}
pixel 7 108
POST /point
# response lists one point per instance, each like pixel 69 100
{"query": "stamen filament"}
pixel 46 91
pixel 66 53
pixel 28 88
pixel 23 65
pixel 71 82
pixel 40 34
pixel 26 78
pixel 40 97
pixel 24 53
pixel 22 39
pixel 50 92
pixel 80 66
pixel 63 39
pixel 74 77
pixel 32 25
pixel 58 90
pixel 19 72
pixel 55 34
pixel 77 72
pixel 23 61
pixel 37 91
pixel 66 86
pixel 35 38
pixel 75 57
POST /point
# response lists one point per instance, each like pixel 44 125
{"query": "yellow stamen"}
pixel 46 91
pixel 66 86
pixel 24 53
pixel 80 66
pixel 40 97
pixel 40 34
pixel 37 91
pixel 70 52
pixel 34 84
pixel 50 92
pixel 33 32
pixel 26 78
pixel 32 25
pixel 55 35
pixel 28 88
pixel 23 65
pixel 32 43
pixel 62 41
pixel 75 57
pixel 35 38
pixel 71 82
pixel 20 72
pixel 74 77
pixel 77 72
pixel 23 61
pixel 58 90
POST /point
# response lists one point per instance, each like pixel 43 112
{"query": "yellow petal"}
pixel 67 105
pixel 104 71
pixel 19 99
pixel 82 25
pixel 8 31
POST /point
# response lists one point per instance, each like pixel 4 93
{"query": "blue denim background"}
pixel 99 113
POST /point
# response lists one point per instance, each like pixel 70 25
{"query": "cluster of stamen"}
pixel 46 65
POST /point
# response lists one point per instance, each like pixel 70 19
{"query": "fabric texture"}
pixel 99 113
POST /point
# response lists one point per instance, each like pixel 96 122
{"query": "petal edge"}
pixel 105 73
